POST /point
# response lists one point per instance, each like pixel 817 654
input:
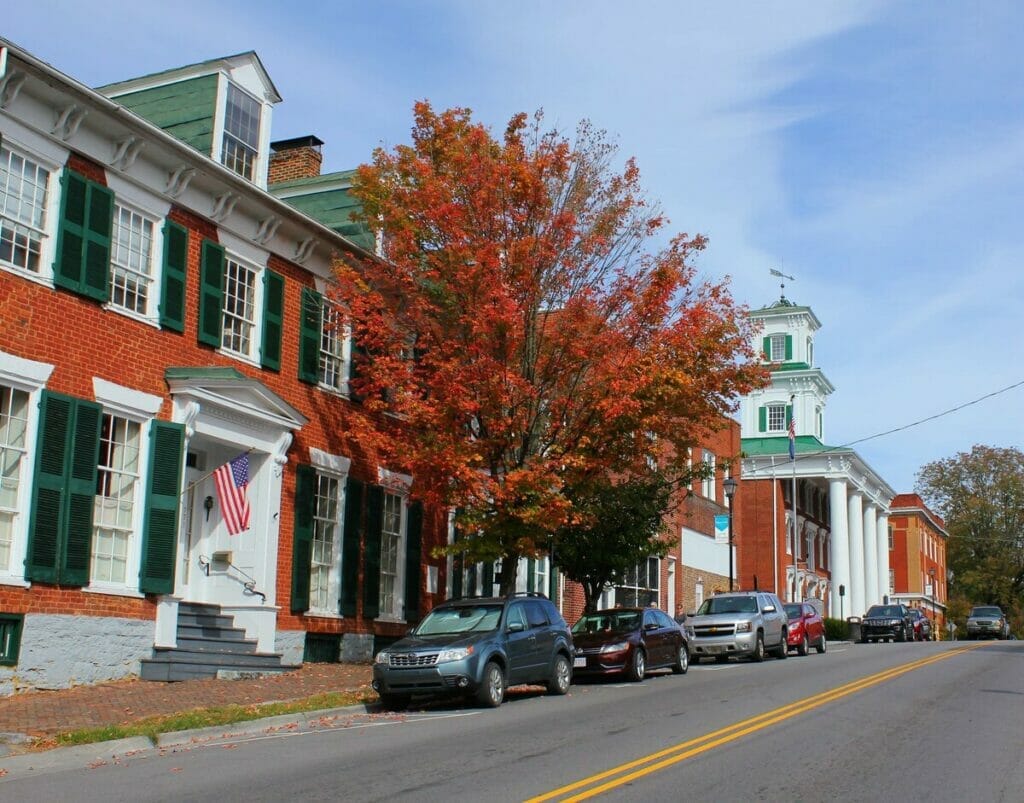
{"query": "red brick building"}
pixel 162 315
pixel 917 558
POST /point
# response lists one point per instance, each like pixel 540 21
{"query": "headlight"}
pixel 454 654
pixel 382 658
pixel 620 646
pixel 743 627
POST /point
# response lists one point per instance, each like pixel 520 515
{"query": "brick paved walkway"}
pixel 46 713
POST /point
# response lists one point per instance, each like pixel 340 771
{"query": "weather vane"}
pixel 782 284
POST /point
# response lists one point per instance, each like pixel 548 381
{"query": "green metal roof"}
pixel 805 444
pixel 332 207
pixel 184 109
pixel 203 372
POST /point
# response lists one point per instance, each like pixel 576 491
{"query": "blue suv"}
pixel 478 647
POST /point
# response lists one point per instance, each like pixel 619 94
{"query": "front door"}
pixel 215 563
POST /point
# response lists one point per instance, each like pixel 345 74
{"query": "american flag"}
pixel 792 437
pixel 231 480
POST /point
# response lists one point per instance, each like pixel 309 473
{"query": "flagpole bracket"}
pixel 204 564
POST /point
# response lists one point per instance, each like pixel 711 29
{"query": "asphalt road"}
pixel 883 722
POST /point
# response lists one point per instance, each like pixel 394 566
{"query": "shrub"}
pixel 837 630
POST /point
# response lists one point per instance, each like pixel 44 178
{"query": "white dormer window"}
pixel 778 348
pixel 241 132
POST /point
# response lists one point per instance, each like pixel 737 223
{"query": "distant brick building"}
pixel 917 550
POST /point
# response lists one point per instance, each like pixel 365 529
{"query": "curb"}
pixel 84 755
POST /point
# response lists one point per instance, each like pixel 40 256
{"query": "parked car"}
pixel 886 623
pixel 987 621
pixel 740 623
pixel 629 641
pixel 922 625
pixel 478 647
pixel 806 627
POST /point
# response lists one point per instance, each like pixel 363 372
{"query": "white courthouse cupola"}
pixel 798 389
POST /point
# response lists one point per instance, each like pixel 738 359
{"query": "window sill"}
pixel 17 582
pixel 344 394
pixel 311 614
pixel 45 281
pixel 391 620
pixel 135 316
pixel 113 591
pixel 234 355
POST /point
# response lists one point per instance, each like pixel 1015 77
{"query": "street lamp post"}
pixel 935 611
pixel 729 485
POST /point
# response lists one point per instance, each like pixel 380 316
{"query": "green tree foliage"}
pixel 980 495
pixel 619 525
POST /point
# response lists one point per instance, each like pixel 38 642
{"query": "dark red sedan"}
pixel 806 628
pixel 628 641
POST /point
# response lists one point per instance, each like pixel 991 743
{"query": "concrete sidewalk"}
pixel 47 713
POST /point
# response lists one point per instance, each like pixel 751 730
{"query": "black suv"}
pixel 478 647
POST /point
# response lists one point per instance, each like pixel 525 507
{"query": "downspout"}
pixel 775 532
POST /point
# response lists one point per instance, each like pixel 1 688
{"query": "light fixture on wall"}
pixel 208 506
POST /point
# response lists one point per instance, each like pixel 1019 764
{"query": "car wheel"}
pixel 822 645
pixel 782 651
pixel 682 660
pixel 902 635
pixel 758 654
pixel 638 666
pixel 492 690
pixel 561 677
pixel 395 702
pixel 803 648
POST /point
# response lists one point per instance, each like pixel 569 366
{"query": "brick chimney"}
pixel 290 159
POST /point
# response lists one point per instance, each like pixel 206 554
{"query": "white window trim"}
pixel 126 402
pixel 259 178
pixel 768 416
pixel 29 377
pixel 330 463
pixel 337 467
pixel 256 338
pixel 403 529
pixel 394 482
pixel 53 160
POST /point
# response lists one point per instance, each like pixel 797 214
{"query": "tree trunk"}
pixel 509 572
pixel 592 592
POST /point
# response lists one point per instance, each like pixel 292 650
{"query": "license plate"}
pixel 712 650
pixel 579 663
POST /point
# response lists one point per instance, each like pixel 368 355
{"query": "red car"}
pixel 806 628
pixel 629 641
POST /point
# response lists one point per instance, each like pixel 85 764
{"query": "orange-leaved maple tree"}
pixel 521 331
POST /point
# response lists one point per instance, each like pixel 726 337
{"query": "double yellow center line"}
pixel 630 771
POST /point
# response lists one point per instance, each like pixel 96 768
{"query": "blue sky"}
pixel 875 151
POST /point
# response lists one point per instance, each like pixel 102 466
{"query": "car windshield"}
pixel 884 610
pixel 460 619
pixel 793 611
pixel 987 612
pixel 607 622
pixel 728 605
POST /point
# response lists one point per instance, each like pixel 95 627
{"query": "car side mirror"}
pixel 768 609
pixel 651 626
pixel 516 627
pixel 690 614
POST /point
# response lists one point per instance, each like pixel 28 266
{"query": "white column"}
pixel 855 518
pixel 882 537
pixel 870 557
pixel 839 552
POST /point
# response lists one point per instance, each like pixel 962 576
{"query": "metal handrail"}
pixel 249 585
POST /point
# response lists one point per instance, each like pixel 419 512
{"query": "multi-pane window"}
pixel 777 418
pixel 777 344
pixel 13 424
pixel 640 585
pixel 239 329
pixel 131 261
pixel 114 511
pixel 22 210
pixel 333 342
pixel 708 481
pixel 241 132
pixel 326 527
pixel 892 581
pixel 391 555
pixel 892 542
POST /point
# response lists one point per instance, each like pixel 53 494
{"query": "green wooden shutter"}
pixel 273 319
pixel 82 469
pixel 531 575
pixel 46 518
pixel 457 563
pixel 762 419
pixel 766 348
pixel 371 558
pixel 350 547
pixel 302 541
pixel 789 415
pixel 211 293
pixel 172 292
pixel 310 330
pixel 487 584
pixel 789 347
pixel 98 230
pixel 413 561
pixel 67 268
pixel 160 527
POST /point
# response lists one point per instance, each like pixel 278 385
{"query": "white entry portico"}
pixel 227 414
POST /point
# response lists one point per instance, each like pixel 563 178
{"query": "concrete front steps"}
pixel 209 645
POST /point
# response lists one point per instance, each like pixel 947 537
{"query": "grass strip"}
pixel 152 727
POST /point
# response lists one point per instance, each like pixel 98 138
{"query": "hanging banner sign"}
pixel 722 529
